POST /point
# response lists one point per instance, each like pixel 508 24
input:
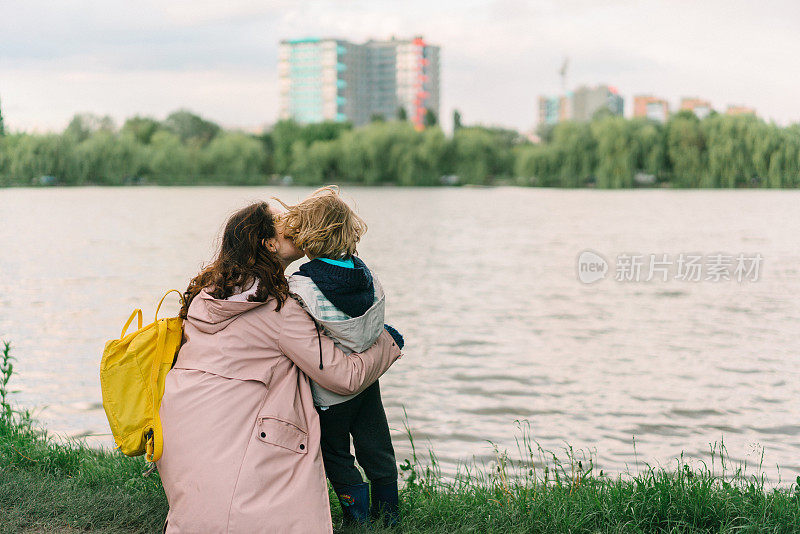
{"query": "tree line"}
pixel 718 151
pixel 608 152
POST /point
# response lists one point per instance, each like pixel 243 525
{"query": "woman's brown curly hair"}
pixel 243 258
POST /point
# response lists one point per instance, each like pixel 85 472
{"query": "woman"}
pixel 241 436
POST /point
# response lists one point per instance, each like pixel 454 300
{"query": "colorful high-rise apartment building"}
pixel 336 80
pixel 313 79
pixel 417 78
pixel 651 107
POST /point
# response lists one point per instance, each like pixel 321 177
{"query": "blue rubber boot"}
pixel 385 503
pixel 355 503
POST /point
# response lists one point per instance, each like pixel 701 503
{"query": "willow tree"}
pixel 191 128
pixel 686 149
pixel 615 159
pixel 784 164
pixel 538 165
pixel 728 158
pixel 575 147
pixel 170 161
pixel 141 128
pixel 423 163
pixel 479 155
pixel 767 142
pixel 106 159
pixel 233 157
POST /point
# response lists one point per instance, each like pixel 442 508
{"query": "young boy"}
pixel 347 302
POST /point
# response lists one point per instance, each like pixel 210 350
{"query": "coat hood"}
pixel 350 289
pixel 211 315
pixel 356 334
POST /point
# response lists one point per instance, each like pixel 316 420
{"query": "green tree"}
pixel 106 159
pixel 719 151
pixel 790 171
pixel 354 157
pixel 84 125
pixel 575 146
pixel 2 124
pixel 191 128
pixel 170 161
pixel 456 120
pixel 648 147
pixel 478 158
pixel 422 163
pixel 402 114
pixel 283 136
pixel 615 159
pixel 766 142
pixel 728 154
pixel 545 132
pixel 538 165
pixel 317 163
pixel 323 131
pixel 375 153
pixel 430 118
pixel 141 128
pixel 233 158
pixel 686 150
pixel 33 156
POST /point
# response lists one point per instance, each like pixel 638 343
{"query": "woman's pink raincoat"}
pixel 241 436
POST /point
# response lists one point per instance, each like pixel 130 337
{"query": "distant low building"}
pixel 548 109
pixel 554 109
pixel 740 110
pixel 580 105
pixel 651 107
pixel 701 108
pixel 586 101
pixel 532 137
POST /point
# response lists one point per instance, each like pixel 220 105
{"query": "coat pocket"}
pixel 283 434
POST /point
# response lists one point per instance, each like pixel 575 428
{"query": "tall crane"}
pixel 563 73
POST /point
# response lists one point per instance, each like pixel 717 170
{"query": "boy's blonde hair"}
pixel 323 225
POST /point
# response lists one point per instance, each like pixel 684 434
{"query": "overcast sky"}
pixel 219 58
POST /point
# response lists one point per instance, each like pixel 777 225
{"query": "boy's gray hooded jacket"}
pixel 350 334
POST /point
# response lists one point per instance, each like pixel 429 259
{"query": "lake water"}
pixel 483 284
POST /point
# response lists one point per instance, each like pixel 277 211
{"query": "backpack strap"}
pixel 130 319
pixel 154 446
pixel 162 301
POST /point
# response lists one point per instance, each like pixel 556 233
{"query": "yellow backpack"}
pixel 132 374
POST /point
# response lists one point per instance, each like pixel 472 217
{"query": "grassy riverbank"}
pixel 50 486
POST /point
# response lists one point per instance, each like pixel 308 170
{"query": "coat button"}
pixel 302 446
pixel 263 434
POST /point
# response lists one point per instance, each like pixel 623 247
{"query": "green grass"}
pixel 47 485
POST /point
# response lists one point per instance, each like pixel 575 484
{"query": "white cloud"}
pixel 192 12
pixel 233 98
pixel 498 56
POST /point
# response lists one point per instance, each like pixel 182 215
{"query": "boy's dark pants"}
pixel 364 418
